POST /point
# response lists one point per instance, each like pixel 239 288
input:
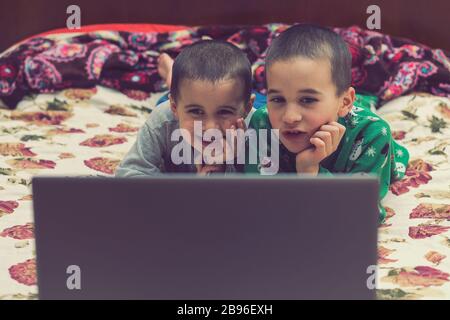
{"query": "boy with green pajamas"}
pixel 323 126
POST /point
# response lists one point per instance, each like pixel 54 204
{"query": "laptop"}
pixel 203 238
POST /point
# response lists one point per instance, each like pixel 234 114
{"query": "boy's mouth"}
pixel 204 141
pixel 292 134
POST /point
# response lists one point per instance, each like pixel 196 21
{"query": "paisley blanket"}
pixel 382 65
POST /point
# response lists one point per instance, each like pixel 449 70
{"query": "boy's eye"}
pixel 277 99
pixel 196 112
pixel 307 100
pixel 225 112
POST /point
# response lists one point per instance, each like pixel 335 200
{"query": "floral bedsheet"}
pixel 88 131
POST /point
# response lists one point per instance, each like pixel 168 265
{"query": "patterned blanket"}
pixel 382 65
pixel 88 131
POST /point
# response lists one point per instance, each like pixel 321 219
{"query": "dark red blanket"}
pixel 382 65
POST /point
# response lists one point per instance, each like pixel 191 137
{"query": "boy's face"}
pixel 217 105
pixel 301 97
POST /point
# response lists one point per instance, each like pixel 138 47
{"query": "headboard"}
pixel 425 21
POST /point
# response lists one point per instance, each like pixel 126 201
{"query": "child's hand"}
pixel 227 144
pixel 240 124
pixel 325 141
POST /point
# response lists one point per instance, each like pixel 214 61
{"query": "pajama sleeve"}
pixel 371 154
pixel 145 156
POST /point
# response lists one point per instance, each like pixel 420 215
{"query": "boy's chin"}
pixel 295 148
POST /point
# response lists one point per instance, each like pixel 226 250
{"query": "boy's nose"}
pixel 291 116
pixel 210 124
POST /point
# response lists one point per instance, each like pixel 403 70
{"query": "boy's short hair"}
pixel 211 60
pixel 314 42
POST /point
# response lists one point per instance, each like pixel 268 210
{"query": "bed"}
pixel 84 126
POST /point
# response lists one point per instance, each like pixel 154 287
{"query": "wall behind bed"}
pixel 425 21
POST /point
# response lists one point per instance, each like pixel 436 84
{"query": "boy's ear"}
pixel 248 107
pixel 348 99
pixel 173 106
